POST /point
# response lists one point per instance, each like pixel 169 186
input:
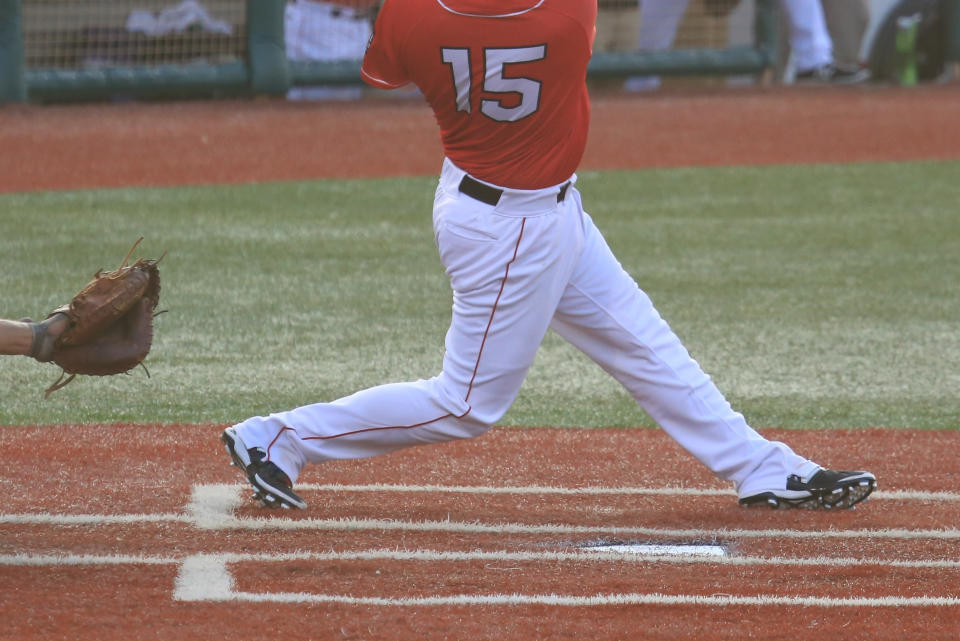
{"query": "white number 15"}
pixel 496 60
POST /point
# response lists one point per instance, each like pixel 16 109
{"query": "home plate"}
pixel 652 549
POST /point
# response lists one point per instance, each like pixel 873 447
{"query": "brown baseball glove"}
pixel 110 323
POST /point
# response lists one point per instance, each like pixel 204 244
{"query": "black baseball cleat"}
pixel 273 487
pixel 833 74
pixel 827 489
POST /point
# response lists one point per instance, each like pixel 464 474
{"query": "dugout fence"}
pixel 69 50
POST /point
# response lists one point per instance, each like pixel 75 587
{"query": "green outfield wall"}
pixel 12 85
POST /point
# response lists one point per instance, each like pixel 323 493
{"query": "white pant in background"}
pixel 810 43
pixel 659 21
pixel 325 32
pixel 516 269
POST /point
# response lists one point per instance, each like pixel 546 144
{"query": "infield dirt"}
pixel 118 145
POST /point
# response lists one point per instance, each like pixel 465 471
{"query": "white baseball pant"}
pixel 659 21
pixel 810 42
pixel 517 268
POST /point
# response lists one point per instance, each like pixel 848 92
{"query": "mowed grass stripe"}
pixel 815 296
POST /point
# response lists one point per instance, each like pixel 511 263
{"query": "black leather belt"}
pixel 350 14
pixel 491 195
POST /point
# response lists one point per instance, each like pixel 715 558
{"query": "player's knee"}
pixel 471 427
pixel 473 417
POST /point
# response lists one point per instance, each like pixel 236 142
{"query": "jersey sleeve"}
pixel 381 66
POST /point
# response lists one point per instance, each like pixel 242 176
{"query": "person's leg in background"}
pixel 810 42
pixel 812 47
pixel 847 22
pixel 659 21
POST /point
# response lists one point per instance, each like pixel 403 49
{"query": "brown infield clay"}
pixel 117 145
pixel 151 470
pixel 55 471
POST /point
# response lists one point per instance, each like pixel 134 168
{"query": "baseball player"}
pixel 506 82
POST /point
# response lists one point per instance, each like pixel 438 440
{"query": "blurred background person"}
pixel 659 21
pixel 810 53
pixel 617 25
pixel 328 32
pixel 847 22
pixel 812 56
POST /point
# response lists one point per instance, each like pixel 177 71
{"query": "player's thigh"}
pixel 507 275
pixel 604 313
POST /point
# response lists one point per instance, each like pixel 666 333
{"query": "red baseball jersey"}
pixel 506 80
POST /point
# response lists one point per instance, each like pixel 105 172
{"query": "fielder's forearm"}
pixel 15 337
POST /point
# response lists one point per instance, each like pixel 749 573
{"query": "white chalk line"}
pixel 446 556
pixel 219 498
pixel 44 560
pixel 212 506
pixel 93 519
pixel 203 577
pixel 663 549
pixel 355 524
pixel 897 495
pixel 588 601
pixel 206 578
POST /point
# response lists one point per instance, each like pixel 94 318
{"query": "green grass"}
pixel 816 296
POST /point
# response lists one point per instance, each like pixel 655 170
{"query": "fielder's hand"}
pixel 108 326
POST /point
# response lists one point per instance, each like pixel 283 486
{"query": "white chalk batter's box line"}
pixel 897 495
pixel 213 506
pixel 206 577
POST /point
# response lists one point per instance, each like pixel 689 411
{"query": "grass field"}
pixel 816 296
